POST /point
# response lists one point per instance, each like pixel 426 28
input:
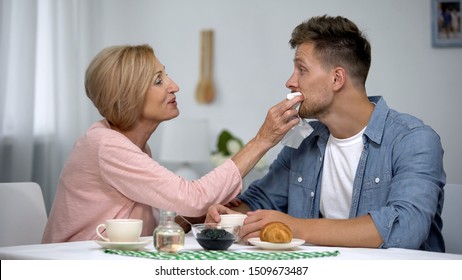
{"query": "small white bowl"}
pixel 232 219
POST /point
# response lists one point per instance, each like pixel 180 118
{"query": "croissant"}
pixel 276 232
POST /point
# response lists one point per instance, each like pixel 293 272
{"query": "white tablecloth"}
pixel 90 250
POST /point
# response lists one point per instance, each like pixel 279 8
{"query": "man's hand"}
pixel 236 202
pixel 257 219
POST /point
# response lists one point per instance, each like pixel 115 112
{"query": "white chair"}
pixel 22 213
pixel 452 219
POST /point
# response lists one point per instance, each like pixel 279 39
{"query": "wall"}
pixel 253 59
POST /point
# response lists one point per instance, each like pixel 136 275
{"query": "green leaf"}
pixel 223 139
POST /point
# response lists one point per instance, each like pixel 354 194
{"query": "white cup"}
pixel 232 219
pixel 121 230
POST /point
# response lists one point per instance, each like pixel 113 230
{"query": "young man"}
pixel 367 176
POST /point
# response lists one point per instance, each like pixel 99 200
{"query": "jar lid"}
pixel 167 213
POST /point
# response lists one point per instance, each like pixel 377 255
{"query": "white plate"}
pixel 125 245
pixel 275 246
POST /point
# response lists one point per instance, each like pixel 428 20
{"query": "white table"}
pixel 90 250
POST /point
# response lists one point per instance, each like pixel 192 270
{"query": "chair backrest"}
pixel 22 213
pixel 452 218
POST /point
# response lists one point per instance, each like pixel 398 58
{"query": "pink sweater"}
pixel 107 176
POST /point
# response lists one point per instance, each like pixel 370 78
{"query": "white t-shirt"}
pixel 339 170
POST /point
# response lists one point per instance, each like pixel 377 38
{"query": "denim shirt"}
pixel 399 179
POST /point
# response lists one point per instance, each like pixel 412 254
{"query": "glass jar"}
pixel 168 235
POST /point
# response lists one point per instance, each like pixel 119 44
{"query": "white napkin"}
pixel 298 133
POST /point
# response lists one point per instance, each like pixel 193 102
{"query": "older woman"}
pixel 110 172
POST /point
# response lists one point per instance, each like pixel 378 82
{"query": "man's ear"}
pixel 338 78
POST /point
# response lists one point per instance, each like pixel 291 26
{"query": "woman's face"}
pixel 160 102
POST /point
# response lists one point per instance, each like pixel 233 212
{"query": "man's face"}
pixel 313 81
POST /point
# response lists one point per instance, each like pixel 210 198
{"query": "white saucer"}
pixel 275 246
pixel 125 245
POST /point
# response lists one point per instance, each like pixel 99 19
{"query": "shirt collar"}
pixel 375 127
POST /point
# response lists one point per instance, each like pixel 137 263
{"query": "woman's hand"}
pixel 279 120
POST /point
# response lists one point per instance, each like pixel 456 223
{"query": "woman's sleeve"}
pixel 137 176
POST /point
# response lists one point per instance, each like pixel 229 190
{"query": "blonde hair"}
pixel 116 81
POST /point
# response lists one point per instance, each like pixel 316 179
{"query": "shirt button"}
pixel 299 179
pixel 312 194
pixel 377 180
pixel 320 158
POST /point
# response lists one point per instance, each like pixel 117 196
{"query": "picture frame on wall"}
pixel 446 23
